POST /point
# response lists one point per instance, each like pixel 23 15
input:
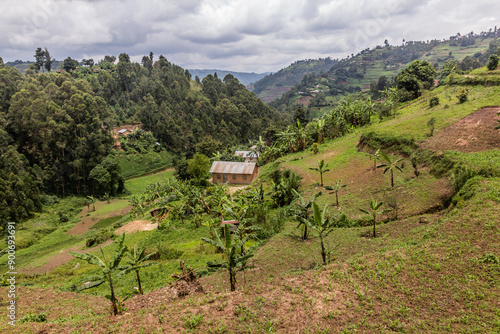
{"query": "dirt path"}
pixel 87 222
pixel 59 259
pixel 474 133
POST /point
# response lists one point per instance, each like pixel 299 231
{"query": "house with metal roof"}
pixel 234 172
pixel 249 156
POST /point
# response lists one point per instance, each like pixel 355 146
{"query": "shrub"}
pixel 462 95
pixel 492 62
pixel 30 317
pixel 434 102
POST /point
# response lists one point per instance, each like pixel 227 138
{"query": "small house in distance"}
pixel 249 156
pixel 234 172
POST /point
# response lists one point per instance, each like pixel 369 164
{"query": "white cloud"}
pixel 257 35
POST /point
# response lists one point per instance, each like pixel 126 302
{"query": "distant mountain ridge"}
pixel 245 78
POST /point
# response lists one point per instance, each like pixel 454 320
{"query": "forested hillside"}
pixel 376 69
pixel 275 84
pixel 56 127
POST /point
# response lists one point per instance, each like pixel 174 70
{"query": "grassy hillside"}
pixel 435 268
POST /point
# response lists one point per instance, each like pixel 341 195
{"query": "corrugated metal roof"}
pixel 247 154
pixel 231 167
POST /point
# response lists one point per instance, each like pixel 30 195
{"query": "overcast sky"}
pixel 238 35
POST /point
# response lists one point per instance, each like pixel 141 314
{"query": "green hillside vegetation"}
pixel 431 267
pixel 376 69
pixel 178 115
pixel 244 77
pixel 275 84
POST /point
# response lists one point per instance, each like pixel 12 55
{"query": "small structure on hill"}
pixel 249 156
pixel 234 172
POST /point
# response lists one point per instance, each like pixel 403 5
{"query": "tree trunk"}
pixel 232 279
pixel 392 179
pixel 323 252
pixel 337 197
pixel 114 309
pixel 321 177
pixel 139 282
pixel 304 237
pixel 374 222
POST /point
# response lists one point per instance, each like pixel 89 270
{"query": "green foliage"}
pixel 231 245
pixel 419 75
pixel 99 237
pixel 463 95
pixel 283 185
pixel 140 142
pixel 390 165
pixel 323 226
pixel 431 124
pixel 136 260
pixel 321 169
pixel 389 141
pixel 434 101
pixel 31 317
pixel 492 62
pixel 108 268
pixel 373 211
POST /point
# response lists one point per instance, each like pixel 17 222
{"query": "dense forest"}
pixel 55 128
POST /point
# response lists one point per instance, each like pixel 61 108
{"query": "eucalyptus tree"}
pixel 391 166
pixel 234 260
pixel 108 269
pixel 335 189
pixel 321 169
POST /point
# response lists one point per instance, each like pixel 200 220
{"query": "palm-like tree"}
pixel 335 189
pixel 321 169
pixel 302 210
pixel 234 261
pixel 108 268
pixel 374 207
pixel 136 261
pixel 375 156
pixel 390 165
pixel 323 225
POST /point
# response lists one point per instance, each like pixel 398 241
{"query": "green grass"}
pixel 106 222
pixel 134 165
pixel 139 184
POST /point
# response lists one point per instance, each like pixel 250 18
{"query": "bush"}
pixel 462 95
pixel 98 238
pixel 434 102
pixel 30 317
pixel 492 62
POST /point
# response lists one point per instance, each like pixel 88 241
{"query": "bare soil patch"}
pixel 474 133
pixel 59 259
pixel 88 221
pixel 137 226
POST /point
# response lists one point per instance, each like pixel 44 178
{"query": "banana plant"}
pixel 108 268
pixel 390 165
pixel 136 261
pixel 302 210
pixel 321 169
pixel 374 207
pixel 323 226
pixel 335 189
pixel 234 260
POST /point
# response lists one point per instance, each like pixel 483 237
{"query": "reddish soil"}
pixel 474 133
pixel 59 259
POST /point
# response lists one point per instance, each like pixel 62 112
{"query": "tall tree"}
pixel 48 60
